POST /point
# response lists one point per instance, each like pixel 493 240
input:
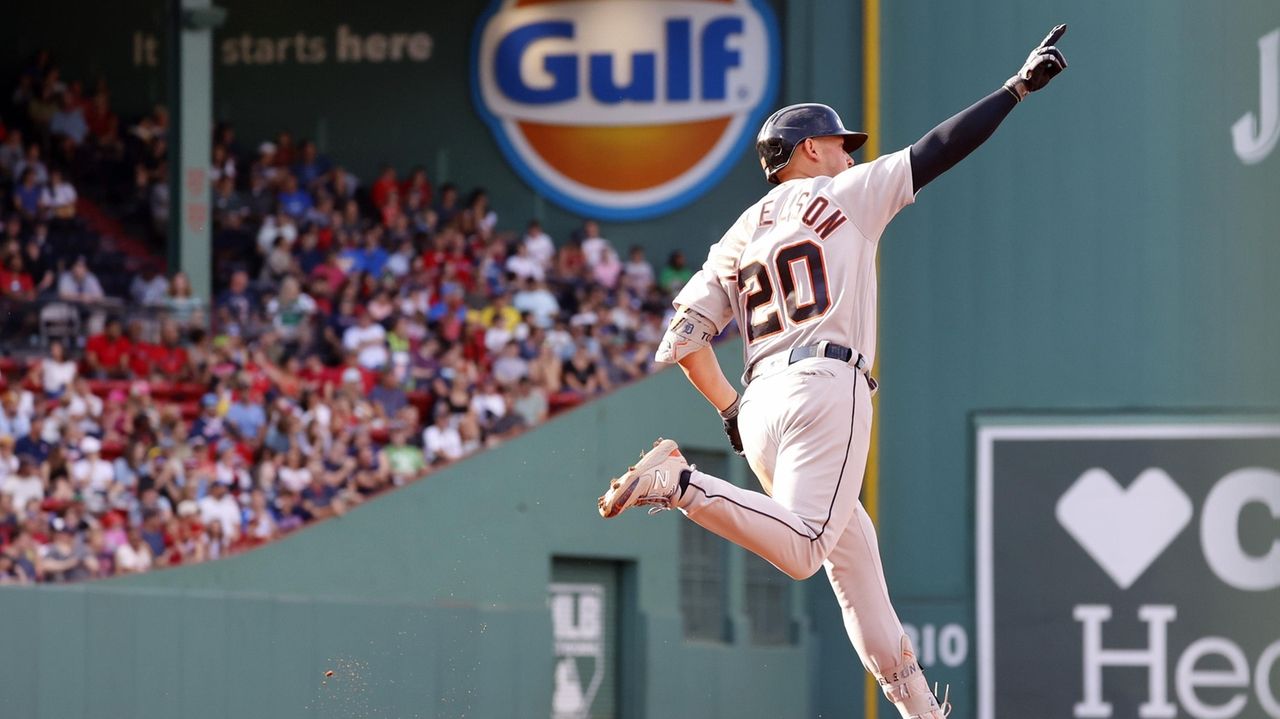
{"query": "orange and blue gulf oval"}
pixel 624 109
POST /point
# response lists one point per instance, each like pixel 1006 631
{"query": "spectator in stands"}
pixel 93 477
pixel 103 125
pixel 15 282
pixel 404 462
pixel 208 425
pixel 12 228
pixel 31 161
pixel 388 397
pixel 320 500
pixel 230 208
pixel 15 418
pixel 12 152
pixel 539 244
pixel 169 358
pixel 68 120
pixel 470 433
pixel 294 201
pixel 509 367
pixel 441 442
pixel 608 270
pixel 58 198
pixel 570 263
pixel 257 519
pixel 56 371
pixel 479 219
pixel 371 474
pixel 79 284
pixel 674 276
pixel 593 245
pixel 265 167
pixel 26 196
pixel 384 186
pixel 446 207
pixel 524 266
pixel 11 572
pixel 184 308
pixel 66 559
pixel 311 166
pixel 368 340
pixel 37 257
pixel 370 257
pixel 23 484
pixel 221 508
pixel 222 165
pixel 637 273
pixel 238 300
pixel 33 444
pixel 134 556
pixel 245 416
pixel 107 355
pixel 149 286
pixel 290 314
pixel 530 402
pixel 581 373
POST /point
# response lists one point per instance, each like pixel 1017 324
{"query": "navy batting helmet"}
pixel 792 125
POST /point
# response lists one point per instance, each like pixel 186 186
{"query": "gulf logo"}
pixel 624 109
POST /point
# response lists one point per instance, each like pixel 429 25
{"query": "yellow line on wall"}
pixel 871 150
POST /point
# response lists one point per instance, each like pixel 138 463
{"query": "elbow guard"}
pixel 688 332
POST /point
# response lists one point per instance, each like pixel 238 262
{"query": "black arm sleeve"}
pixel 949 143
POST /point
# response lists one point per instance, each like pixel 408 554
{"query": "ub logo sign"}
pixel 1128 569
pixel 629 109
pixel 578 626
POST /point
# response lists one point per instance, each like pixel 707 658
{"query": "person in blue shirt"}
pixel 370 258
pixel 246 416
pixel 294 200
pixel 311 166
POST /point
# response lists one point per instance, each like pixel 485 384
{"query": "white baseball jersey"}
pixel 798 266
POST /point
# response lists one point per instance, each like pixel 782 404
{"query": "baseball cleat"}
pixel 653 481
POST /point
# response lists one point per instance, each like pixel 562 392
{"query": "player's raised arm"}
pixel 949 143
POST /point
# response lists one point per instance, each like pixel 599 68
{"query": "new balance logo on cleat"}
pixel 648 482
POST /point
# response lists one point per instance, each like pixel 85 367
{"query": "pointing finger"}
pixel 1053 36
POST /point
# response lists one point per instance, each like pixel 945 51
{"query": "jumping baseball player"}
pixel 797 272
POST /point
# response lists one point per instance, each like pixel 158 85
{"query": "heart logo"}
pixel 1124 530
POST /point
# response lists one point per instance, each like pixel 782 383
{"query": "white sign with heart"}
pixel 1124 529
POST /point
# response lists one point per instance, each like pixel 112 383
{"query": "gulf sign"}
pixel 624 109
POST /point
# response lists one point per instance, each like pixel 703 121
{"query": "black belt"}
pixel 829 350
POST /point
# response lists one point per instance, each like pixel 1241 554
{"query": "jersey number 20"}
pixel 756 282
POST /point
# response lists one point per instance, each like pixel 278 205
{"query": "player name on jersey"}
pixel 819 214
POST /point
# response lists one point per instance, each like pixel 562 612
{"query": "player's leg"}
pixel 857 577
pixel 806 432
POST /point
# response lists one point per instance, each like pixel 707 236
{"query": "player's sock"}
pixel 904 685
pixel 685 475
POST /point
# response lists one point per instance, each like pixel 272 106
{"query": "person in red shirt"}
pixel 416 191
pixel 15 283
pixel 106 355
pixel 102 122
pixel 141 352
pixel 383 186
pixel 169 358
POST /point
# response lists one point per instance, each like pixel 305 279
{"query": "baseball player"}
pixel 797 272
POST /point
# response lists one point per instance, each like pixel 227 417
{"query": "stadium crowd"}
pixel 361 334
